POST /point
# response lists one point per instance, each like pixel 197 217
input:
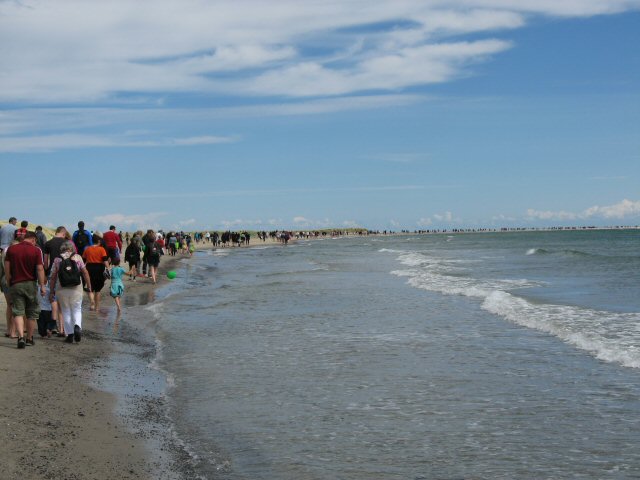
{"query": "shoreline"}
pixel 61 415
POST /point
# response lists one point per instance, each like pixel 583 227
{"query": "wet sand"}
pixel 56 420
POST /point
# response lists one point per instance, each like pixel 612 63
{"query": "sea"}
pixel 510 355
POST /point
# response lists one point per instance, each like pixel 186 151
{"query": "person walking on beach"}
pixel 23 268
pixel 82 238
pixel 148 240
pixel 4 288
pixel 154 251
pixel 171 246
pixel 22 231
pixel 132 256
pixel 51 252
pixel 41 238
pixel 8 233
pixel 97 262
pixel 65 284
pixel 117 286
pixel 112 243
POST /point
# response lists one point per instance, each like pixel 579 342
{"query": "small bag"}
pixel 106 274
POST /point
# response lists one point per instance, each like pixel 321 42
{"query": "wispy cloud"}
pixel 259 48
pixel 48 143
pixel 50 129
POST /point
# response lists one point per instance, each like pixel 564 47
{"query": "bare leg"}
pixel 96 296
pixel 92 301
pixel 117 299
pixel 11 327
pixel 31 326
pixel 19 323
pixel 57 313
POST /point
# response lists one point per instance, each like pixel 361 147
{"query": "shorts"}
pixel 154 260
pixel 113 254
pixel 24 300
pixel 96 275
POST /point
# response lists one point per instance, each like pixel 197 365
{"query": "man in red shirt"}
pixel 112 243
pixel 23 267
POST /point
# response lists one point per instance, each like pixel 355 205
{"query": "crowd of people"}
pixel 43 280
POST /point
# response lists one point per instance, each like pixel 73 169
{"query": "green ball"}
pixel 171 274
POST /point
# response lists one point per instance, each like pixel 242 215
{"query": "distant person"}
pixel 132 256
pixel 65 284
pixel 148 240
pixel 172 242
pixel 8 233
pixel 154 252
pixel 82 238
pixel 23 268
pixel 112 243
pixel 22 231
pixel 41 238
pixel 52 247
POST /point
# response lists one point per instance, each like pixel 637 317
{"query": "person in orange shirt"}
pixel 97 262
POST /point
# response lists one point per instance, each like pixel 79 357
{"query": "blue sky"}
pixel 292 114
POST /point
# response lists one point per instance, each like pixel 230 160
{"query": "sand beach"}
pixel 56 423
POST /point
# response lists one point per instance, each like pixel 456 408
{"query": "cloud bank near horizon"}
pixel 623 210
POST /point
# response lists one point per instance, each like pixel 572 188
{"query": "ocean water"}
pixel 475 356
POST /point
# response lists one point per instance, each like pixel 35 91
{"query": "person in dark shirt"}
pixel 52 248
pixel 41 238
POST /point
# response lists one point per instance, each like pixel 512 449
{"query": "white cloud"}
pixel 550 215
pixel 418 65
pixel 622 210
pixel 445 217
pixel 127 222
pixel 71 51
pixel 303 222
pixel 238 222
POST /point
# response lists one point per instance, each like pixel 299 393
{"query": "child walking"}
pixel 117 287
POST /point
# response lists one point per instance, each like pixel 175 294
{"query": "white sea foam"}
pixel 389 250
pixel 155 308
pixel 609 336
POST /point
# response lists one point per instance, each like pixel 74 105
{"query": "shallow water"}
pixel 462 356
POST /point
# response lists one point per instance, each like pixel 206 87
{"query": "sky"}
pixel 300 114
